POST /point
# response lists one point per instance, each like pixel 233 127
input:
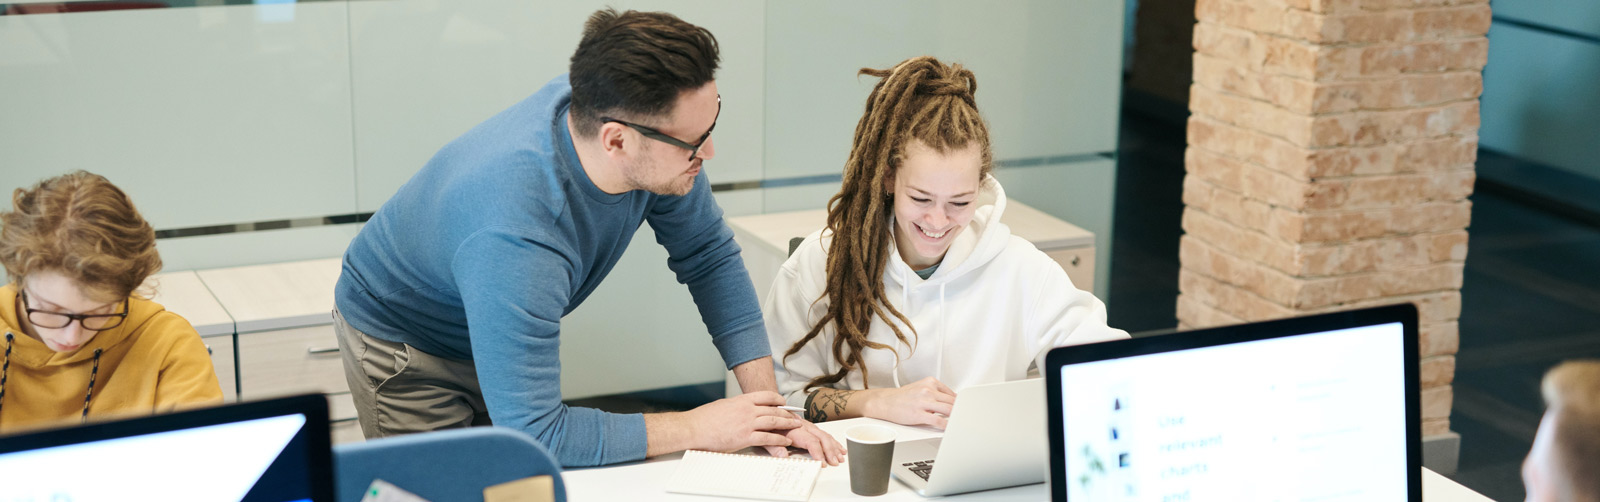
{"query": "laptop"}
pixel 267 451
pixel 994 439
pixel 1322 408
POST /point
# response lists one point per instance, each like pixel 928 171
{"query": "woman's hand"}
pixel 924 402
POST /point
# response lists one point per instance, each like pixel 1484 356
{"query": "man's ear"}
pixel 614 140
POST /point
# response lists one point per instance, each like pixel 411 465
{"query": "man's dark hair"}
pixel 635 64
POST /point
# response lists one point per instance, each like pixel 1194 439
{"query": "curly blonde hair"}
pixel 81 226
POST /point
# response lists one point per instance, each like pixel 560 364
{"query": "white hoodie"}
pixel 988 314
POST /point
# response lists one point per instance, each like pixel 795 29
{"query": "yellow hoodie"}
pixel 153 362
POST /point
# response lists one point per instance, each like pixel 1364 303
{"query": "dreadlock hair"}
pixel 919 99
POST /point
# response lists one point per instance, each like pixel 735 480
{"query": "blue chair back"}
pixel 444 466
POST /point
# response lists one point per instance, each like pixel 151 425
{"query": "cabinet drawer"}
pixel 290 361
pixel 1079 264
pixel 347 432
pixel 342 419
pixel 221 348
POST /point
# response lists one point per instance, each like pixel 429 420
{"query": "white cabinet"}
pixel 222 352
pixel 342 418
pixel 286 343
pixel 290 361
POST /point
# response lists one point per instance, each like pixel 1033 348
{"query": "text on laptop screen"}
pixel 256 460
pixel 1315 417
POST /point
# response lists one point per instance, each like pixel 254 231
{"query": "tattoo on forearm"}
pixel 825 404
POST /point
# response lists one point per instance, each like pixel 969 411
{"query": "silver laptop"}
pixel 995 439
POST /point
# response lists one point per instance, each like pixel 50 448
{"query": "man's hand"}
pixel 734 423
pixel 819 444
pixel 925 402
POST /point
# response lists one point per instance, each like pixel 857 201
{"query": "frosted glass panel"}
pixel 1539 99
pixel 800 198
pixel 254 248
pixel 426 71
pixel 1048 72
pixel 203 115
pixel 1082 193
pixel 1582 16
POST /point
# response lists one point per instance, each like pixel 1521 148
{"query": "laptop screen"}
pixel 1293 415
pixel 264 451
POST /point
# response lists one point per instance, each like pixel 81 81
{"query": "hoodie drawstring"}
pixel 5 374
pixel 905 302
pixel 938 369
pixel 5 371
pixel 90 394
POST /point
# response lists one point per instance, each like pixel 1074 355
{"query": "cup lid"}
pixel 870 434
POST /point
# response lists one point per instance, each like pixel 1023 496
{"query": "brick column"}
pixel 1331 150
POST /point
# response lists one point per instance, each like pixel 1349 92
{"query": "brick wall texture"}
pixel 1330 155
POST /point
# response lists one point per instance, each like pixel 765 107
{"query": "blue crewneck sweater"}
pixel 499 236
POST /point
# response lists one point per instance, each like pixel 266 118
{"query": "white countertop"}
pixel 277 295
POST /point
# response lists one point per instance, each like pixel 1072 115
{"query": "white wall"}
pixel 219 115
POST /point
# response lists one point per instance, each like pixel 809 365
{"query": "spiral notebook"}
pixel 745 476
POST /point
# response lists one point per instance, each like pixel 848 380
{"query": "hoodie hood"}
pixel 35 354
pixel 153 362
pixel 978 243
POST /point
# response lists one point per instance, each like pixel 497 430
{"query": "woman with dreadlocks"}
pixel 916 287
pixel 79 344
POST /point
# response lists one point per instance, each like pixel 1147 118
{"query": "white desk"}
pixel 276 296
pixel 647 480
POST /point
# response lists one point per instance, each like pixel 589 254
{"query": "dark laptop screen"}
pixel 1315 411
pixel 269 451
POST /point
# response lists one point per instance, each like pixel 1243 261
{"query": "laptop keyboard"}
pixel 920 468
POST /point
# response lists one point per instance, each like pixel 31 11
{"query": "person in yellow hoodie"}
pixel 80 343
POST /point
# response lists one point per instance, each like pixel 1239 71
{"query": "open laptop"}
pixel 269 451
pixel 1321 408
pixel 994 439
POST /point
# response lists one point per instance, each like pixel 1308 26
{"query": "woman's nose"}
pixel 938 218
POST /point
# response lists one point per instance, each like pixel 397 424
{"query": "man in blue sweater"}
pixel 450 302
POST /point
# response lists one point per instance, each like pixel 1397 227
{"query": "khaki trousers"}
pixel 398 389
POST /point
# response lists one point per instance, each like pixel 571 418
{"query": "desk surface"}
pixel 278 295
pixel 647 480
pixel 183 293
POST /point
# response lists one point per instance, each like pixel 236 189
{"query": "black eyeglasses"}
pixel 57 320
pixel 693 148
